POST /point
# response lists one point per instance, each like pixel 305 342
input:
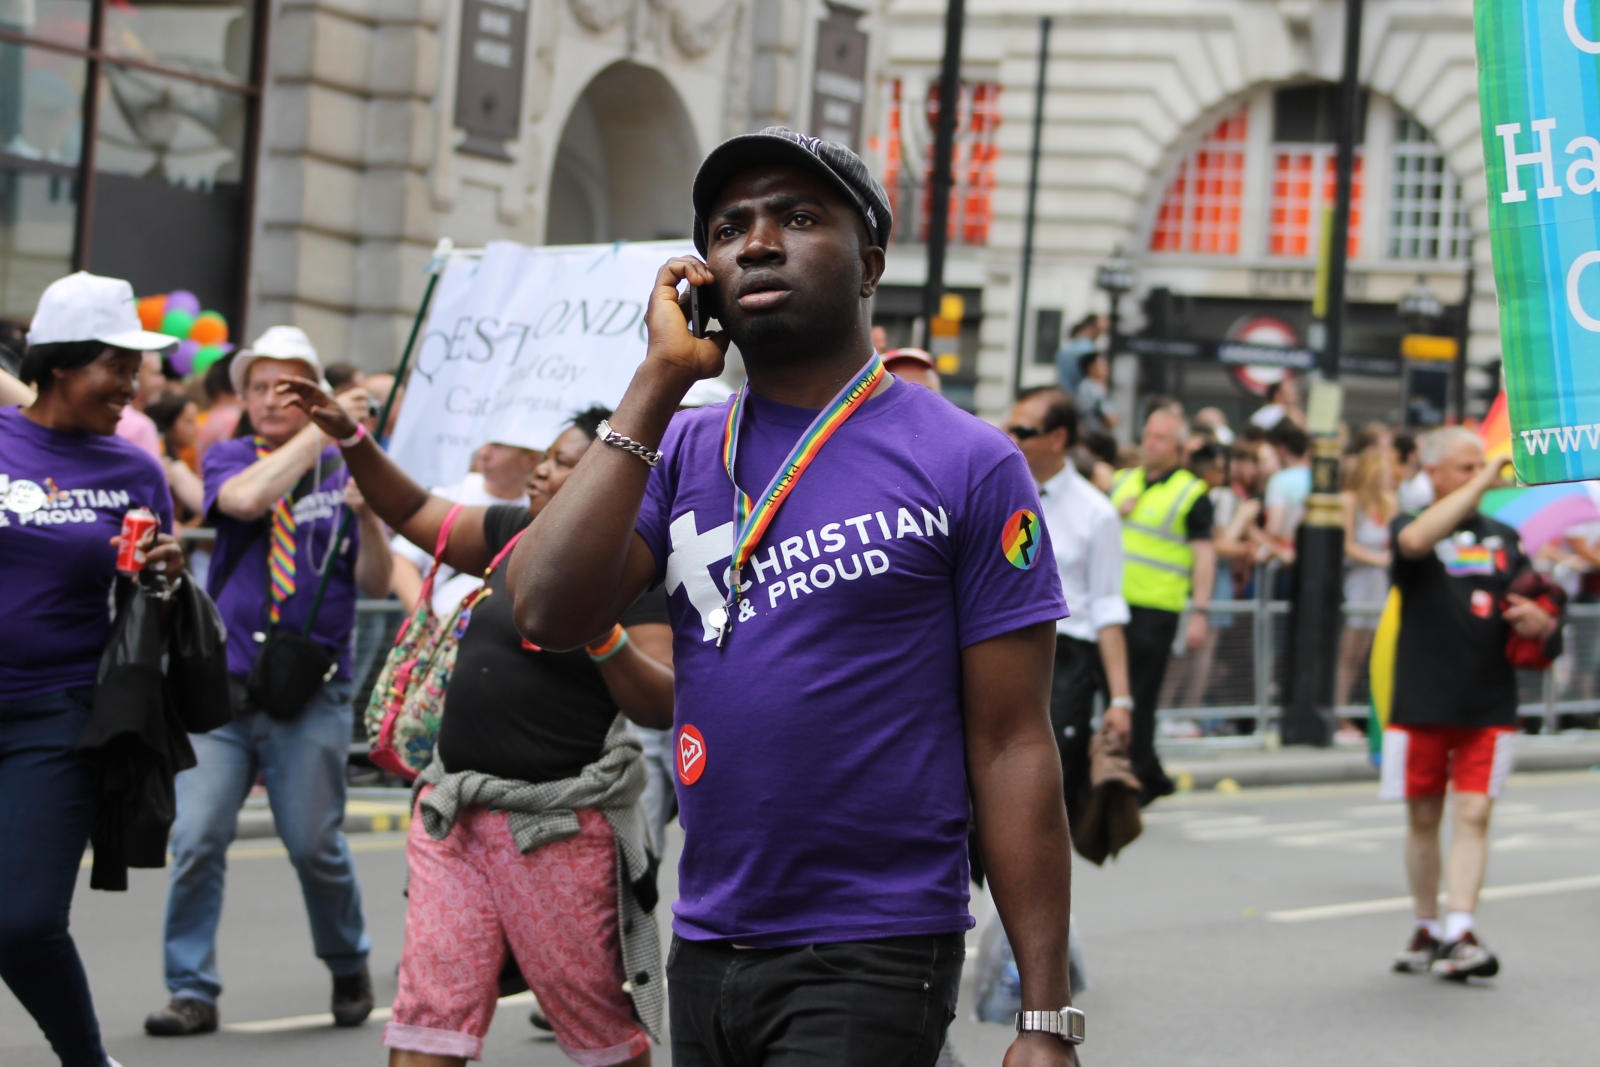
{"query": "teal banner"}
pixel 1539 91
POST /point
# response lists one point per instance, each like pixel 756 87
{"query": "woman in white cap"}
pixel 66 481
pixel 276 495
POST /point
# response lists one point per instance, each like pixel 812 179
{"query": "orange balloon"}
pixel 152 309
pixel 209 329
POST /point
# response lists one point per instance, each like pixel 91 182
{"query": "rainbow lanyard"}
pixel 751 519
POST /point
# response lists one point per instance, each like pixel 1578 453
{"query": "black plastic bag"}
pixel 133 744
pixel 197 660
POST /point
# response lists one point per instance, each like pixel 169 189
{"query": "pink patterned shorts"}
pixel 557 907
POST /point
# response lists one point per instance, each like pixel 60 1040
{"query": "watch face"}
pixel 1072 1025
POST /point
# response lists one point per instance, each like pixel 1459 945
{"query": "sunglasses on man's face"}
pixel 1024 433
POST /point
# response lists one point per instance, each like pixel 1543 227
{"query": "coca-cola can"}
pixel 137 525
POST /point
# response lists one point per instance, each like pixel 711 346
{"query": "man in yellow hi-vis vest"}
pixel 1167 558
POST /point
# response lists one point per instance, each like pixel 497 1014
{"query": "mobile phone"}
pixel 700 310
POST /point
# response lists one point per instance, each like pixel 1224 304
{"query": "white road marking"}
pixel 325 1018
pixel 1244 833
pixel 1374 907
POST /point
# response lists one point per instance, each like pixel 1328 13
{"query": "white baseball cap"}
pixel 88 307
pixel 279 342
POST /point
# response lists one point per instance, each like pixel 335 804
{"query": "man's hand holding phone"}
pixel 673 345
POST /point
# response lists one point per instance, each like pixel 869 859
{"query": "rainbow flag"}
pixel 1495 430
pixel 1543 513
pixel 1380 674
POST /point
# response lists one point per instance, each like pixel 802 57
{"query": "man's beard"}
pixel 765 331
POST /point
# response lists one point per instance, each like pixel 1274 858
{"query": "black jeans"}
pixel 47 798
pixel 1079 675
pixel 845 1004
pixel 1150 633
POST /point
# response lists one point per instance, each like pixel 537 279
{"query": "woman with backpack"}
pixel 66 483
pixel 528 831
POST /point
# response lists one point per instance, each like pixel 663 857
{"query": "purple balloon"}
pixel 183 300
pixel 182 357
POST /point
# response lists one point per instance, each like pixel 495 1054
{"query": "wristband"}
pixel 1123 702
pixel 355 438
pixel 613 643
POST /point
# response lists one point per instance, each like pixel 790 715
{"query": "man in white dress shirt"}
pixel 1086 533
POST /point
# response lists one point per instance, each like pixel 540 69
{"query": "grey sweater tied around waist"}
pixel 543 813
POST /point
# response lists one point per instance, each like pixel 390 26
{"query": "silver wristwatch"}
pixel 1067 1024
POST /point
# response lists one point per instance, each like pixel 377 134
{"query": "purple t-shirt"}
pixel 244 602
pixel 832 798
pixel 62 498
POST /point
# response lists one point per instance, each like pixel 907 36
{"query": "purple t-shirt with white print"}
pixel 831 798
pixel 62 499
pixel 244 602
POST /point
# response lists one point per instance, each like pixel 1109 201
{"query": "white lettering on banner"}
pixel 1565 438
pixel 1541 157
pixel 832 538
pixel 860 523
pixel 519 340
pixel 1569 15
pixel 1592 165
pixel 1574 299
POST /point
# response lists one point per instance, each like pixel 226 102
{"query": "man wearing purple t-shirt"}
pixel 277 497
pixel 876 644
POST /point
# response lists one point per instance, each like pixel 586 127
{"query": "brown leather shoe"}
pixel 352 998
pixel 182 1016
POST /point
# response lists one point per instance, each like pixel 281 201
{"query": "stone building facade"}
pixel 1194 137
pixel 296 161
pixel 364 163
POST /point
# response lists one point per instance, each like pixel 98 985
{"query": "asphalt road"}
pixel 1252 929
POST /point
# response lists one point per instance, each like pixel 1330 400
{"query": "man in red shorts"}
pixel 1454 710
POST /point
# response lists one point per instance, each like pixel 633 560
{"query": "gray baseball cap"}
pixel 779 144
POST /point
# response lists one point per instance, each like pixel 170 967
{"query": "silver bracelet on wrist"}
pixel 651 456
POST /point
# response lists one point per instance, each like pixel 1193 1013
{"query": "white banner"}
pixel 519 341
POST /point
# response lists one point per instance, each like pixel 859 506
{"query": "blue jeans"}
pixel 48 801
pixel 304 765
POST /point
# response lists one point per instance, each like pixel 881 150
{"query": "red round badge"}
pixel 691 755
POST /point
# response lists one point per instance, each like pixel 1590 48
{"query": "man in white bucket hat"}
pixel 276 495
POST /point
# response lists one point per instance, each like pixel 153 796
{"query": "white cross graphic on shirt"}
pixel 690 561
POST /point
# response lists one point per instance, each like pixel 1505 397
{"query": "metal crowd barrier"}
pixel 1230 692
pixel 1227 694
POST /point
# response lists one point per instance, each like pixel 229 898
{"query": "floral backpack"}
pixel 408 699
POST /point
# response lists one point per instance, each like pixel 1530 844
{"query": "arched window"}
pixel 1204 203
pixel 1427 219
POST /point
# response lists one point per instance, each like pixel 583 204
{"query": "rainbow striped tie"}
pixel 280 548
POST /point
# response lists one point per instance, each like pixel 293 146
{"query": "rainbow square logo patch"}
pixel 1464 560
pixel 1020 539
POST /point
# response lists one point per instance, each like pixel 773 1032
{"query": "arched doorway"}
pixel 625 163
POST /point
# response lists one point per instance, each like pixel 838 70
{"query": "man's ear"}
pixel 872 266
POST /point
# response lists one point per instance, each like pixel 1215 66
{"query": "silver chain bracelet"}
pixel 651 456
